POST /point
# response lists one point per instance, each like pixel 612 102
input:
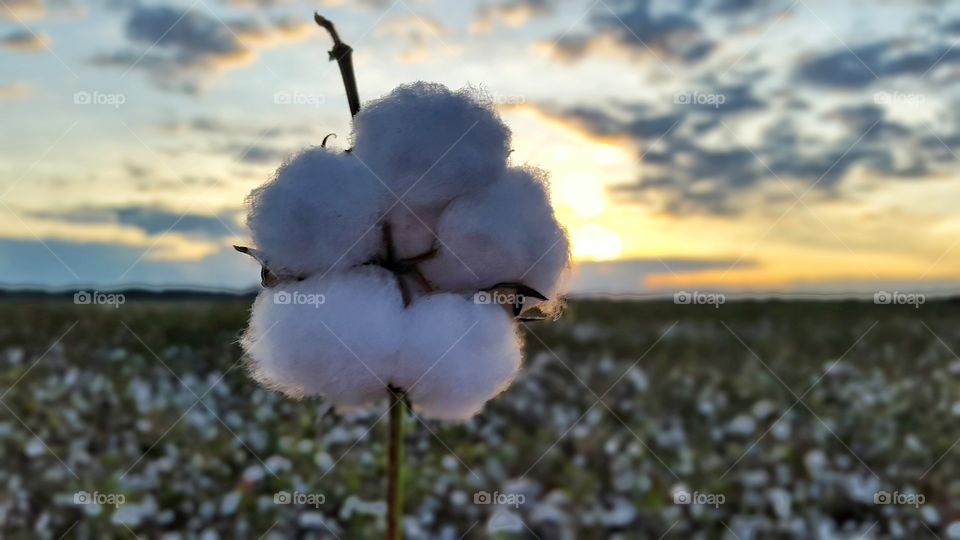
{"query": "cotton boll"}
pixel 413 229
pixel 434 142
pixel 318 213
pixel 455 355
pixel 504 233
pixel 333 335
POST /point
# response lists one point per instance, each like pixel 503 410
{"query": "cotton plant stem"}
pixel 343 54
pixel 395 466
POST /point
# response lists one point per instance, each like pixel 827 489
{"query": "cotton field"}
pixel 627 420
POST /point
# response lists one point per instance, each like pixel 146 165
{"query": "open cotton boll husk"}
pixel 332 336
pixel 430 144
pixel 504 233
pixel 318 213
pixel 455 355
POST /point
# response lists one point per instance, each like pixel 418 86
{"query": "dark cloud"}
pixel 700 109
pixel 635 27
pixel 149 219
pixel 255 3
pixel 184 49
pixel 259 154
pixel 23 40
pixel 737 6
pixel 863 65
pixel 208 125
pixel 640 125
pixel 686 174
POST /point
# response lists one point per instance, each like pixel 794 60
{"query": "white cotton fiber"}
pixel 455 355
pixel 505 232
pixel 434 142
pixel 413 229
pixel 342 330
pixel 333 336
pixel 318 213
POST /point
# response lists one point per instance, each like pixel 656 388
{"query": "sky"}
pixel 799 146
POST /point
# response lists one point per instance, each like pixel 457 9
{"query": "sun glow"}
pixel 595 243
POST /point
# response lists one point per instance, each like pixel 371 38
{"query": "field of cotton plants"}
pixel 629 420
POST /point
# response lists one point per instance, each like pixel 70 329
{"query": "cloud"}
pixel 863 65
pixel 24 40
pixel 692 163
pixel 256 3
pixel 703 107
pixel 259 154
pixel 16 90
pixel 422 36
pixel 22 9
pixel 512 13
pixel 187 50
pixel 211 125
pixel 635 28
pixel 33 263
pixel 640 123
pixel 630 276
pixel 149 219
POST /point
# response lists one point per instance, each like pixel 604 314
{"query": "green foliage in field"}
pixel 796 415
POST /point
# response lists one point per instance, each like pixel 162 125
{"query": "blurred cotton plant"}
pixel 420 247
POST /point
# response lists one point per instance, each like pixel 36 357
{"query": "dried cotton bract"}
pixel 378 254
